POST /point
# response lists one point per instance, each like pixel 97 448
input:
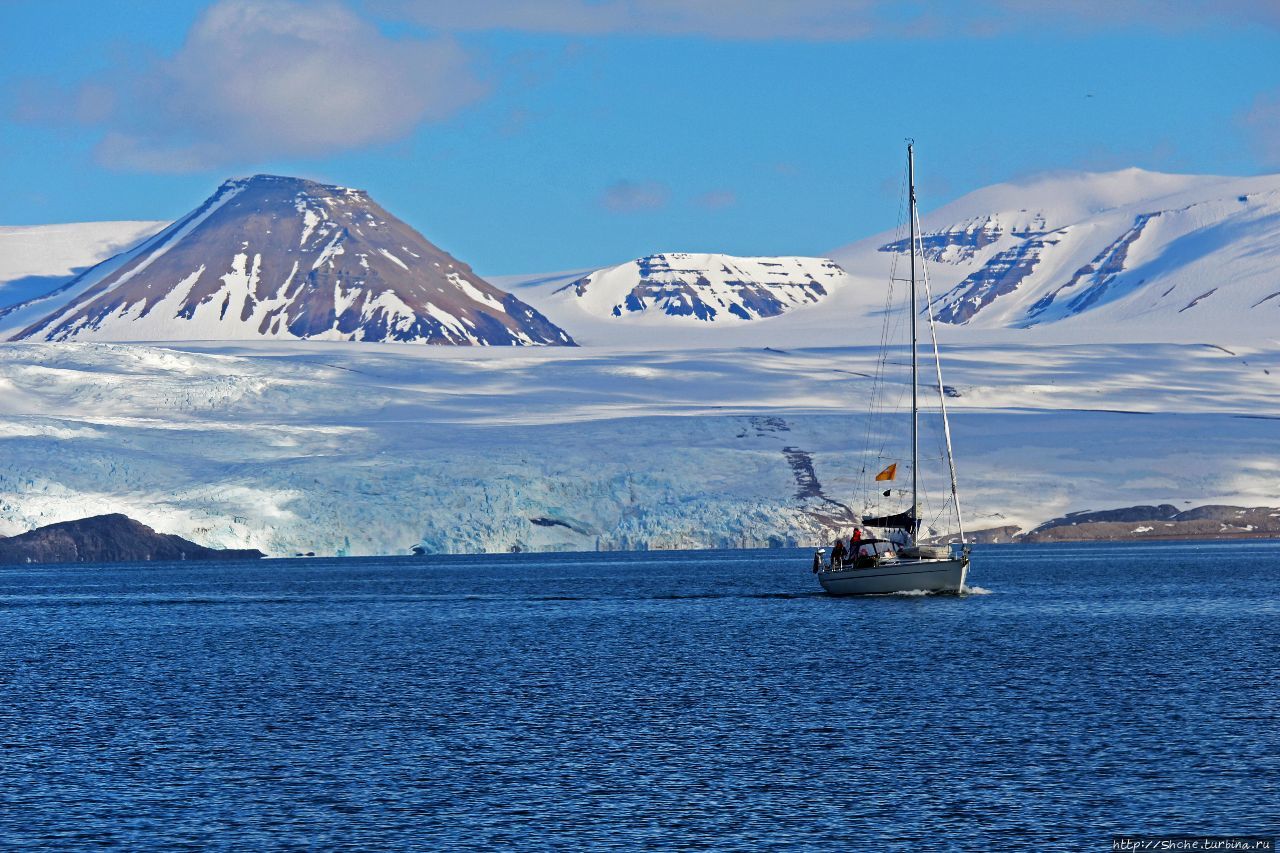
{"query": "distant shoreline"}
pixel 533 555
pixel 1170 537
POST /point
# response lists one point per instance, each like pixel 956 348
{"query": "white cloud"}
pixel 633 197
pixel 747 19
pixel 1160 15
pixel 822 20
pixel 260 79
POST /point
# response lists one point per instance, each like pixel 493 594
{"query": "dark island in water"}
pixel 113 538
pixel 1165 521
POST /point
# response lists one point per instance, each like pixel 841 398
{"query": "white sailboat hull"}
pixel 898 576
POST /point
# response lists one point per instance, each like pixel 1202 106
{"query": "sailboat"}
pixel 890 558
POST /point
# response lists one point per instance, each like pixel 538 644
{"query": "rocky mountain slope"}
pixel 276 257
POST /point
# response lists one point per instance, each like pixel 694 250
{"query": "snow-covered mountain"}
pixel 682 298
pixel 1129 255
pixel 1118 256
pixel 1076 257
pixel 281 257
pixel 705 287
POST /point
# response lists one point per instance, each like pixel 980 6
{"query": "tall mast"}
pixel 915 361
pixel 937 360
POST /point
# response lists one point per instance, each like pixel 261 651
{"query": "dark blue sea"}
pixel 709 700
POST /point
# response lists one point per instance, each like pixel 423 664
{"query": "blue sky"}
pixel 526 137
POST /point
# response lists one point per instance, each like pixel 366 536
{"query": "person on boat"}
pixel 817 561
pixel 837 554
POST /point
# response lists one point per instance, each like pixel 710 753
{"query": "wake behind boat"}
pixel 889 557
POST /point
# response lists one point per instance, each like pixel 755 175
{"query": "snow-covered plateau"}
pixel 350 448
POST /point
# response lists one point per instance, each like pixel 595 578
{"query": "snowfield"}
pixel 35 259
pixel 348 448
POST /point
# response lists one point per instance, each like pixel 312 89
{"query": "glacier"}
pixel 350 448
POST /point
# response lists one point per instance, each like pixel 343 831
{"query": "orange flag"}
pixel 888 473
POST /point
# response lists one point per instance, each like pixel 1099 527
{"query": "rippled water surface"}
pixel 666 700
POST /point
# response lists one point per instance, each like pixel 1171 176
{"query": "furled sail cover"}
pixel 902 520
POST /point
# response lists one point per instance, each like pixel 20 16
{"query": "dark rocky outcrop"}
pixel 1002 274
pixel 960 243
pixel 1164 521
pixel 994 535
pixel 113 538
pixel 1161 522
pixel 1096 276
